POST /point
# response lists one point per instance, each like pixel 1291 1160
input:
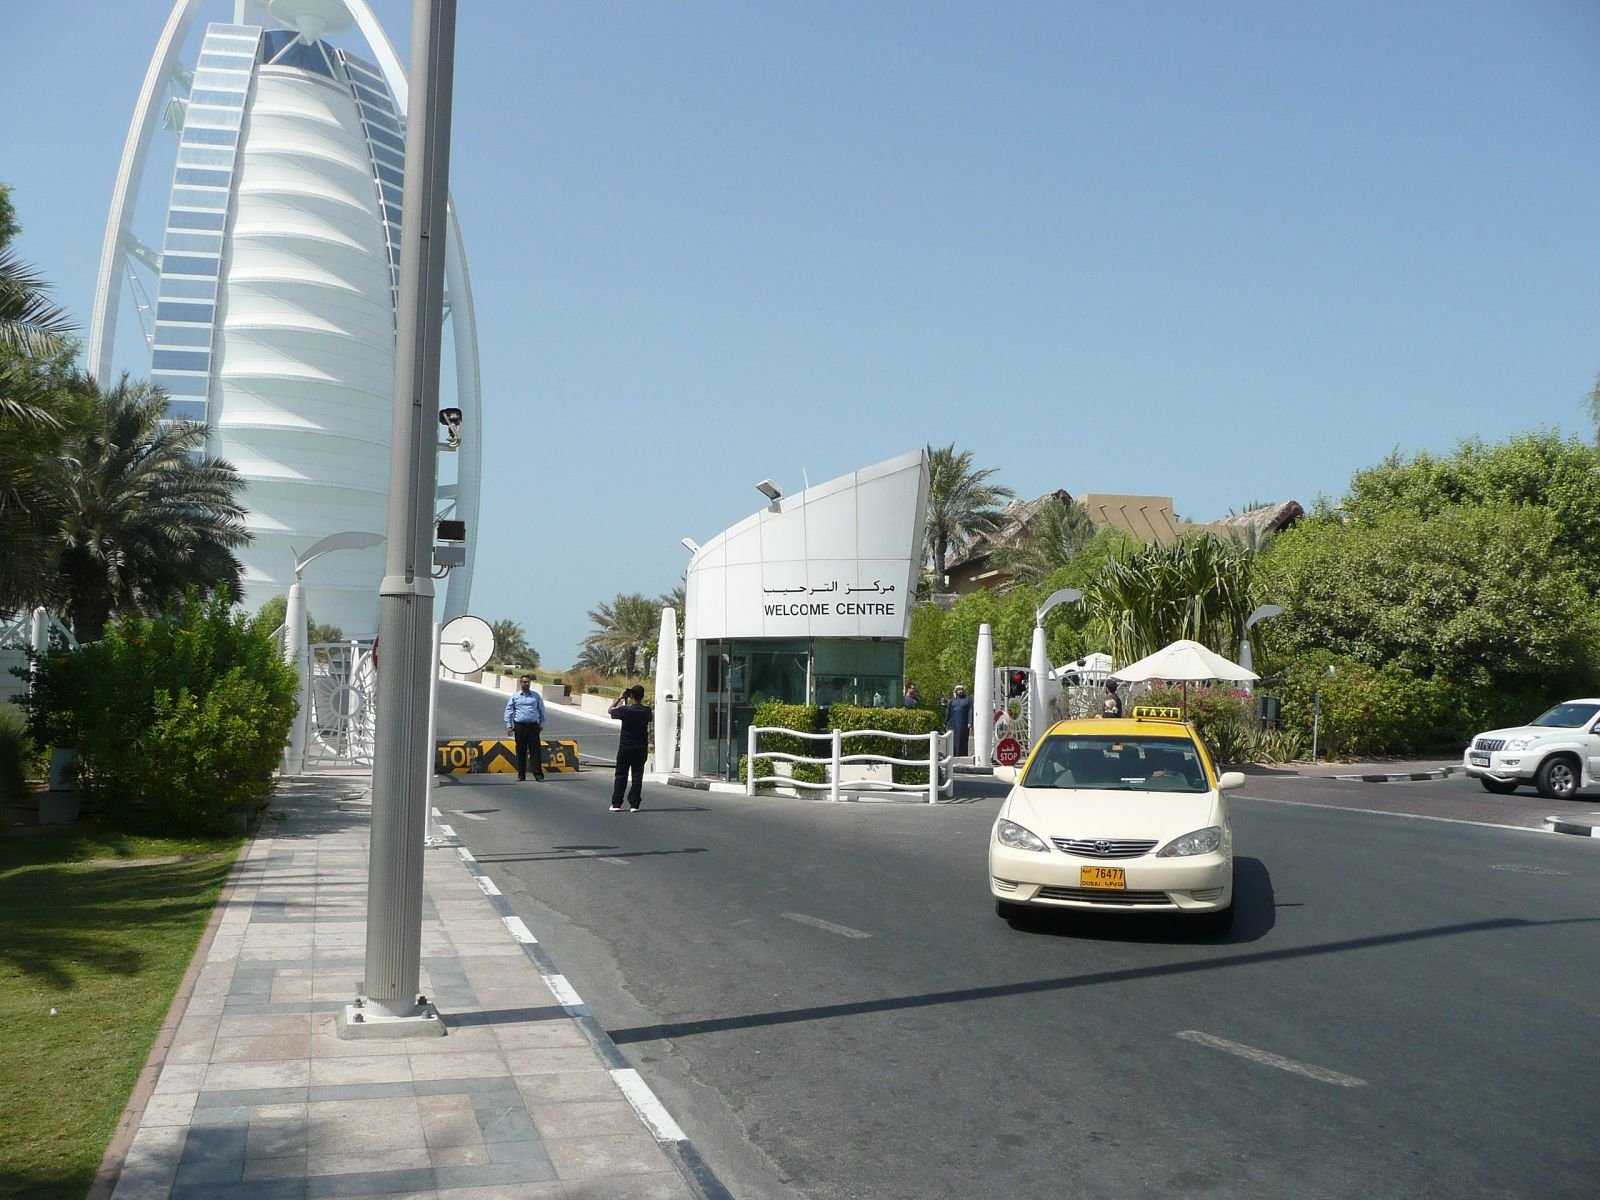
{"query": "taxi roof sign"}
pixel 1160 712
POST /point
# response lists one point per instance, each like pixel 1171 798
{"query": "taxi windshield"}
pixel 1568 716
pixel 1074 762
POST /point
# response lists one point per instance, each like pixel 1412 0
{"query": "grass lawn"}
pixel 98 926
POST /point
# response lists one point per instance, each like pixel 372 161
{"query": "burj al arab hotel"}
pixel 269 309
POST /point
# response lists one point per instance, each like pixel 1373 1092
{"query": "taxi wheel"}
pixel 1008 911
pixel 1557 778
pixel 1500 787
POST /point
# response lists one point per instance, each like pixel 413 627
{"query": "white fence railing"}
pixel 937 760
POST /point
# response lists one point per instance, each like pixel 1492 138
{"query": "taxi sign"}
pixel 1009 752
pixel 1164 712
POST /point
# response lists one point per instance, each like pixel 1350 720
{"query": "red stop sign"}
pixel 1008 753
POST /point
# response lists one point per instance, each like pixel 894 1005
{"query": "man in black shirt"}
pixel 632 746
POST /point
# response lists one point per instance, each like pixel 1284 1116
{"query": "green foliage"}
pixel 1200 587
pixel 963 506
pixel 178 720
pixel 847 717
pixel 16 752
pixel 1219 714
pixel 626 630
pixel 1060 530
pixel 275 610
pixel 1480 595
pixel 924 665
pixel 1534 470
pixel 511 645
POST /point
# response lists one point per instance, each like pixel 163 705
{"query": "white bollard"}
pixel 838 749
pixel 750 765
pixel 933 768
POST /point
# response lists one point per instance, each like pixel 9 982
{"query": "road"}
pixel 822 996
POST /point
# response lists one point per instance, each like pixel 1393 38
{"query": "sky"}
pixel 1225 252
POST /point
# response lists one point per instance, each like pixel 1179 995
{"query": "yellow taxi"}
pixel 1122 814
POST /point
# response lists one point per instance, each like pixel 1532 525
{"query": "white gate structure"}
pixel 342 723
pixel 937 760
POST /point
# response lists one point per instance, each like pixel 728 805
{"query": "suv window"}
pixel 1144 764
pixel 1568 716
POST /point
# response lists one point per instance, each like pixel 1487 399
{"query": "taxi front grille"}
pixel 1104 847
pixel 1489 744
pixel 1103 896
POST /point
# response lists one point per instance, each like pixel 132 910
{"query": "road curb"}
pixel 1397 776
pixel 1576 828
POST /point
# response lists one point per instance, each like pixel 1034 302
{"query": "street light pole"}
pixel 1039 664
pixel 389 1004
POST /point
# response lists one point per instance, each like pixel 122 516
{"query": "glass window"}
pixel 212 59
pixel 205 156
pixel 166 311
pixel 186 410
pixel 181 360
pixel 180 385
pixel 193 135
pixel 384 137
pixel 195 241
pixel 391 175
pixel 1137 764
pixel 185 264
pixel 180 218
pixel 187 197
pixel 183 335
pixel 202 177
pixel 188 289
pixel 381 120
pixel 214 116
pixel 236 80
pixel 391 194
pixel 388 157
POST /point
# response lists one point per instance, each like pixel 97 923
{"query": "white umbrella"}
pixel 1186 662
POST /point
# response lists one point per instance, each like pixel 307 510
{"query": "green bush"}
pixel 1221 715
pixel 847 717
pixel 179 720
pixel 16 751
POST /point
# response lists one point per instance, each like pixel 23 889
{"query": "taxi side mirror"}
pixel 1230 780
pixel 1006 774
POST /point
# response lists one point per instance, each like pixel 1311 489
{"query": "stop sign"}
pixel 1009 752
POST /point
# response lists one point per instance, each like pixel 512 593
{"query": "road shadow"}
pixel 1255 912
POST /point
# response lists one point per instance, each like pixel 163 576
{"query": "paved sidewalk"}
pixel 256 1099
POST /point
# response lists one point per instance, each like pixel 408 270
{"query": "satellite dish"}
pixel 466 645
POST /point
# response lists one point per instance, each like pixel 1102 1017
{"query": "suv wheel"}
pixel 1500 787
pixel 1557 778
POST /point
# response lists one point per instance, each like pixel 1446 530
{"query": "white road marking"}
pixel 1268 1059
pixel 615 862
pixel 819 923
pixel 564 991
pixel 471 816
pixel 650 1110
pixel 519 931
pixel 486 885
pixel 445 829
pixel 466 855
pixel 1378 812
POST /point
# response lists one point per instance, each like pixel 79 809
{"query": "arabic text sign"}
pixel 833 604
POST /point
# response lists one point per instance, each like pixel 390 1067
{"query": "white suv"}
pixel 1557 753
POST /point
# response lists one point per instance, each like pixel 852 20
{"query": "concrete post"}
pixel 983 699
pixel 1038 688
pixel 38 639
pixel 297 653
pixel 666 757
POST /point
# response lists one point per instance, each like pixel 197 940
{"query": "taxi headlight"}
pixel 1201 841
pixel 1014 837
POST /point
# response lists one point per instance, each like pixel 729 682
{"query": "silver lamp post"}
pixel 1260 614
pixel 388 1003
pixel 296 651
pixel 1039 662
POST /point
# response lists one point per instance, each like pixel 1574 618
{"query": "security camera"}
pixel 450 418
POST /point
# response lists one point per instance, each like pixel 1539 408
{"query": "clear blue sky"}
pixel 1223 252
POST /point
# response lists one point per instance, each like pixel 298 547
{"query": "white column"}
pixel 298 655
pixel 1038 695
pixel 983 699
pixel 38 638
pixel 666 757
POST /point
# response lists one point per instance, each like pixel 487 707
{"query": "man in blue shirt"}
pixel 524 720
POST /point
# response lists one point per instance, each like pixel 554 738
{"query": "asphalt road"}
pixel 823 998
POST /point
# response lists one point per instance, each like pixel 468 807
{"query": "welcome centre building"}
pixel 807 601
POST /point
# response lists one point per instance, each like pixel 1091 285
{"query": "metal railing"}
pixel 937 760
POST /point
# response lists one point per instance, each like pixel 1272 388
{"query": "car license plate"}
pixel 1110 878
pixel 1479 760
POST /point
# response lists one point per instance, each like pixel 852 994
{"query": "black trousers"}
pixel 528 743
pixel 629 759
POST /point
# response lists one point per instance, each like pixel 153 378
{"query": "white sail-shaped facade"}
pixel 274 314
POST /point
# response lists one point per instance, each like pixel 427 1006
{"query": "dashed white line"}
pixel 650 1110
pixel 519 931
pixel 1267 1059
pixel 819 923
pixel 471 816
pixel 466 855
pixel 486 885
pixel 445 829
pixel 598 857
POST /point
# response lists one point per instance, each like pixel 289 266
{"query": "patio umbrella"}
pixel 1187 662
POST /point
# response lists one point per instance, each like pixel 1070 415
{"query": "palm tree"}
pixel 1200 587
pixel 1055 536
pixel 140 512
pixel 962 506
pixel 28 320
pixel 625 628
pixel 511 644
